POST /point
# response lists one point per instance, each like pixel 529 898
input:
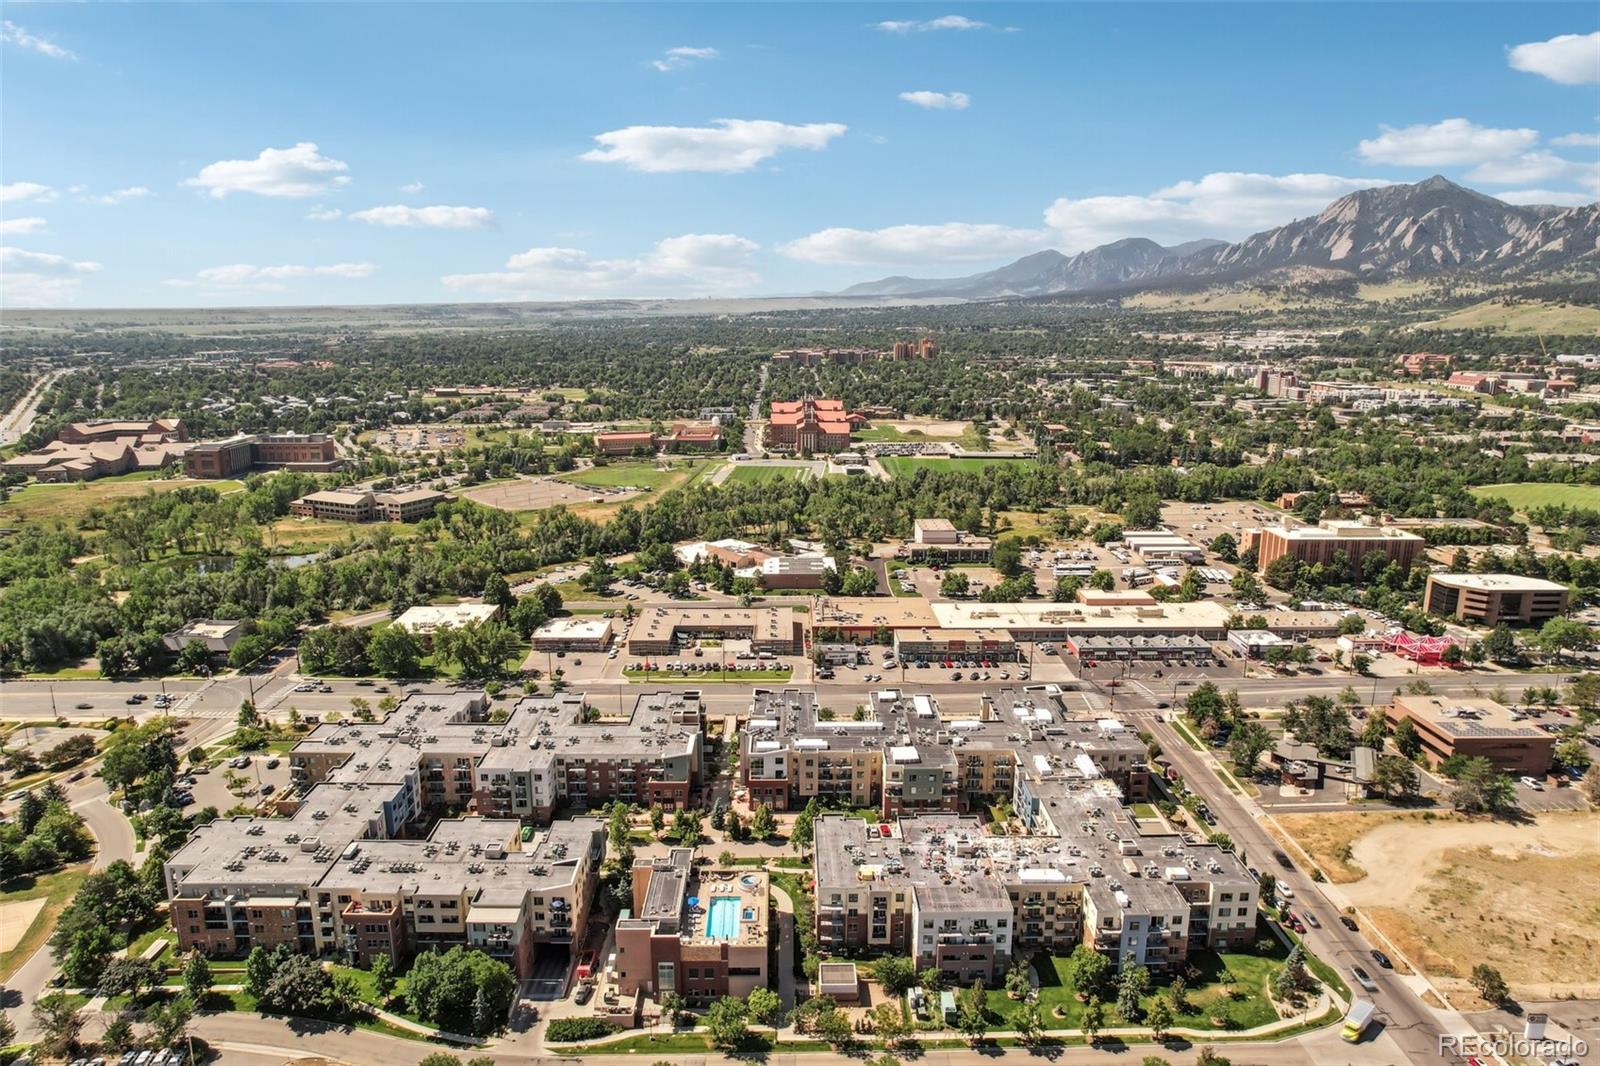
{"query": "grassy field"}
pixel 57 889
pixel 314 534
pixel 36 503
pixel 642 474
pixel 1246 974
pixel 967 438
pixel 1530 494
pixel 1564 319
pixel 761 475
pixel 906 465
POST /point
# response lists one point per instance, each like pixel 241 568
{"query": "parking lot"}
pixel 1203 522
pixel 211 789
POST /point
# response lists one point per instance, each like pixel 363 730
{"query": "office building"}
pixel 339 505
pixel 1489 599
pixel 937 540
pixel 306 452
pixel 1477 728
pixel 1327 542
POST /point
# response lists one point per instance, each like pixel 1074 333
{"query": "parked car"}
pixel 584 993
pixel 1349 923
pixel 1533 783
pixel 1364 979
pixel 1381 959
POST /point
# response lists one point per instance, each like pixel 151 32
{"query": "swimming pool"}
pixel 722 918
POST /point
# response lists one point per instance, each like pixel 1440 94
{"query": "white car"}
pixel 1284 891
pixel 1533 783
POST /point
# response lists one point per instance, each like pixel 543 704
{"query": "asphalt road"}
pixel 1408 1024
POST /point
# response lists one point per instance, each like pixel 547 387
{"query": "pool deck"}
pixel 747 887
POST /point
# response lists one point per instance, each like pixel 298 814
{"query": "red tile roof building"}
pixel 624 443
pixel 809 426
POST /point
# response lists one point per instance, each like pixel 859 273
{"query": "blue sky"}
pixel 226 154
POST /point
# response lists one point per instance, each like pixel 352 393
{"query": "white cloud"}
pixel 944 22
pixel 1545 196
pixel 1540 166
pixel 412 187
pixel 727 146
pixel 18 191
pixel 297 171
pixel 694 264
pixel 324 214
pixel 132 192
pixel 35 279
pixel 1577 140
pixel 681 57
pixel 1570 59
pixel 11 33
pixel 952 242
pixel 12 226
pixel 437 217
pixel 1453 142
pixel 938 101
pixel 270 278
pixel 1224 205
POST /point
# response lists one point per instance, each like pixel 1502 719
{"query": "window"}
pixel 666 977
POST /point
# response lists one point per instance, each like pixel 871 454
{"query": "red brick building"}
pixel 809 425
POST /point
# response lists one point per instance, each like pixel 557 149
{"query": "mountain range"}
pixel 1432 227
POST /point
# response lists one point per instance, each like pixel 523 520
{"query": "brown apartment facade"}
pixel 1325 543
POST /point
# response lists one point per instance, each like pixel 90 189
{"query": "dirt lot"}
pixel 535 494
pixel 1453 892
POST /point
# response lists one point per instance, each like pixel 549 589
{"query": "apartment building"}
pixel 307 452
pixel 329 882
pixel 904 755
pixel 701 933
pixel 1489 599
pixel 940 888
pixel 1326 542
pixel 1477 728
pixel 912 887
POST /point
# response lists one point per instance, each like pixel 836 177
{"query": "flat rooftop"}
pixel 1081 617
pixel 1468 717
pixel 1499 583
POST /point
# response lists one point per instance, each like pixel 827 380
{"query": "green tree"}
pixel 896 973
pixel 1094 1019
pixel 762 824
pixel 383 976
pixel 1006 557
pixel 1489 984
pixel 804 831
pixel 1159 1017
pixel 443 989
pixel 197 977
pixel 1249 741
pixel 1088 971
pixel 1395 775
pixel 59 1021
pixel 726 1022
pixel 169 1023
pixel 765 1006
pixel 972 1012
pixel 395 653
pixel 1132 984
pixel 1406 740
pixel 1482 789
pixel 1563 634
pixel 889 1023
pixel 954 583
